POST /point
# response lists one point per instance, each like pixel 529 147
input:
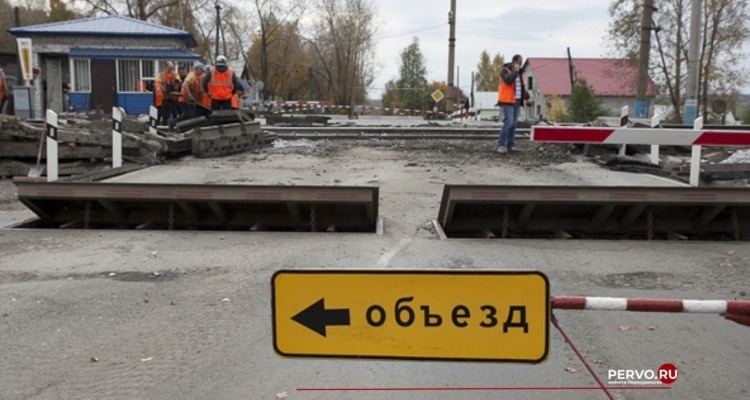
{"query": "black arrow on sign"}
pixel 317 318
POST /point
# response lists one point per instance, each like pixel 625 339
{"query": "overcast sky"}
pixel 532 28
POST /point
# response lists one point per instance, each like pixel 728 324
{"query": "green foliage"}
pixel 746 117
pixel 583 104
pixel 413 77
pixel 488 72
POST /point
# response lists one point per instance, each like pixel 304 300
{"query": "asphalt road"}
pixel 83 314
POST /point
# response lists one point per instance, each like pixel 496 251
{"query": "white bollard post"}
pixel 695 162
pixel 117 116
pixel 153 115
pixel 624 122
pixel 655 121
pixel 51 146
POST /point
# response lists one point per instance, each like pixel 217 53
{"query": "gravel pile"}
pixel 448 152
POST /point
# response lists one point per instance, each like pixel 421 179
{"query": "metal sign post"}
pixel 153 116
pixel 117 116
pixel 51 146
pixel 655 121
pixel 695 161
pixel 624 113
pixel 482 316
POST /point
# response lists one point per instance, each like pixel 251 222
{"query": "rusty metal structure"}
pixel 678 213
pixel 83 205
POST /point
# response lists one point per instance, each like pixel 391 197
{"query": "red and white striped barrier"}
pixel 733 310
pixel 644 136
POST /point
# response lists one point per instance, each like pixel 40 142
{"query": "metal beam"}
pixel 116 209
pixel 525 215
pixel 219 212
pixel 601 215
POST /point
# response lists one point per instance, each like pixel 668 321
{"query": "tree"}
pixel 145 10
pixel 488 72
pixel 274 47
pixel 721 48
pixel 59 11
pixel 412 76
pixel 32 12
pixel 556 109
pixel 583 105
pixel 344 49
pixel 392 96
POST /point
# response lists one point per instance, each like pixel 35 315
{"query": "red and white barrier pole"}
pixel 695 162
pixel 624 116
pixel 118 115
pixel 733 310
pixel 153 116
pixel 655 121
pixel 51 146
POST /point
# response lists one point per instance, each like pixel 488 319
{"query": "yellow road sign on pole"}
pixel 437 95
pixel 486 316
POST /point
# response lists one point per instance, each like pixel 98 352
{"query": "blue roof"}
pixel 108 26
pixel 161 54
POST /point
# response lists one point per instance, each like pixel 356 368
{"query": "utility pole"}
pixel 691 104
pixel 451 57
pixel 641 95
pixel 472 90
pixel 571 69
pixel 218 27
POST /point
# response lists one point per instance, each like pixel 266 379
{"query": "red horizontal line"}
pixel 480 389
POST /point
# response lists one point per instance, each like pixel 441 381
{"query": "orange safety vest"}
pixel 236 101
pixel 506 94
pixel 195 90
pixel 205 99
pixel 167 79
pixel 220 84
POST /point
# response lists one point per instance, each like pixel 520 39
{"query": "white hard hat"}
pixel 221 59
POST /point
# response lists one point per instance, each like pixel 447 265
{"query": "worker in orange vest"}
pixel 191 96
pixel 221 83
pixel 4 90
pixel 165 102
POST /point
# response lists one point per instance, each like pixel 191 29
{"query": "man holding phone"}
pixel 511 95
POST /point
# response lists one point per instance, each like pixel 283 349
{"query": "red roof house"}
pixel 612 79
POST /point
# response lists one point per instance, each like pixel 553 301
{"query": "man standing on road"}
pixel 511 95
pixel 221 83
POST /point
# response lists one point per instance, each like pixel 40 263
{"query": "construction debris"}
pixel 85 141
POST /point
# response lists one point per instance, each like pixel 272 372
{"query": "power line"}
pixel 411 32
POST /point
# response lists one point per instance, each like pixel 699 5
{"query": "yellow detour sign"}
pixel 490 316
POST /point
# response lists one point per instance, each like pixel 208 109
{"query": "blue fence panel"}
pixel 135 103
pixel 79 101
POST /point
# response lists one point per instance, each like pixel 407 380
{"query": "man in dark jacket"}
pixel 511 95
